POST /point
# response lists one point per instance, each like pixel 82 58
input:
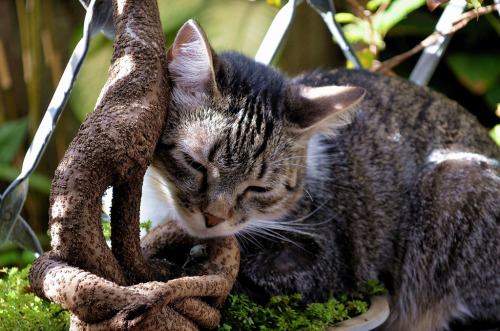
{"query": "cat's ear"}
pixel 323 109
pixel 190 63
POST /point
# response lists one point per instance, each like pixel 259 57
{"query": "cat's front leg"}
pixel 285 268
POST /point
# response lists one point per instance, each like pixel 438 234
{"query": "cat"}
pixel 329 179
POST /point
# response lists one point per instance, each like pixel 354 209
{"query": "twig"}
pixel 360 10
pixel 457 25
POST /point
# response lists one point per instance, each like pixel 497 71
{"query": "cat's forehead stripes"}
pixel 246 139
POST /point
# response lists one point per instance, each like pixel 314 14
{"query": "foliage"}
pixel 477 70
pixel 372 23
pixel 495 132
pixel 146 225
pixel 287 313
pixel 12 136
pixel 21 310
pixel 11 255
pixel 106 226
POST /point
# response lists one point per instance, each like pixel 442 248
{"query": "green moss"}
pixel 286 313
pixel 22 310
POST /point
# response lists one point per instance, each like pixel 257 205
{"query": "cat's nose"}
pixel 211 220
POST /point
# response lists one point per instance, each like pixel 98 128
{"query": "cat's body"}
pixel 406 193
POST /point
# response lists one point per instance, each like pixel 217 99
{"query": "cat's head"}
pixel 233 152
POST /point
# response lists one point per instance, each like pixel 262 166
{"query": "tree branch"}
pixel 465 18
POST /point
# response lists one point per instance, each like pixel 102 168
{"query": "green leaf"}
pixel 475 3
pixel 146 225
pixel 360 31
pixel 372 5
pixel 477 72
pixel 274 3
pixel 395 13
pixel 492 97
pixel 37 181
pixel 495 132
pixel 106 229
pixel 244 28
pixel 174 13
pixel 344 17
pixel 12 135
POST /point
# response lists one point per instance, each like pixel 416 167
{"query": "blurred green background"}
pixel 37 38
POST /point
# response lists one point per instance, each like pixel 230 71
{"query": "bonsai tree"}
pixel 126 286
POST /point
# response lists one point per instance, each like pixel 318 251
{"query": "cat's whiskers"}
pixel 270 234
pixel 243 238
pixel 307 216
pixel 272 229
pixel 157 177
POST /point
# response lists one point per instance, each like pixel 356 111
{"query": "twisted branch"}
pixel 122 287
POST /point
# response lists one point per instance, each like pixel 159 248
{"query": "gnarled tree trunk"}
pixel 113 147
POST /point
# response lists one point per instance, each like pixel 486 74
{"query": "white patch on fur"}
pixel 157 203
pixel 439 156
pixel 316 169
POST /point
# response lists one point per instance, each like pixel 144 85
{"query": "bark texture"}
pixel 113 147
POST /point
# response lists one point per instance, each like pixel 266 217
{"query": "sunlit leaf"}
pixel 360 31
pixel 374 4
pixel 174 13
pixel 344 17
pixel 245 24
pixel 475 3
pixel 395 13
pixel 274 3
pixel 366 57
pixel 495 133
pixel 12 135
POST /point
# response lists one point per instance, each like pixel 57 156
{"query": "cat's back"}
pixel 399 117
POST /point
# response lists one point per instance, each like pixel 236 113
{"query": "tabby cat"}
pixel 330 179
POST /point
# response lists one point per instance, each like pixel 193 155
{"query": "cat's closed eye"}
pixel 258 189
pixel 195 165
